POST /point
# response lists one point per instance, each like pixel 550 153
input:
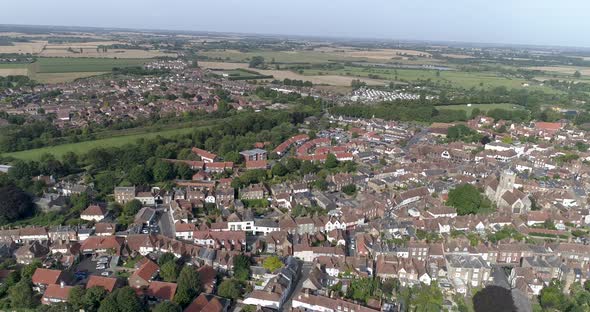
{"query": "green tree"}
pixel 279 170
pixel 242 267
pixel 162 171
pixel 138 175
pixel 349 189
pixel 76 298
pixel 256 61
pixel 22 296
pixel 132 207
pixel 183 171
pixel 577 74
pixel 167 306
pixel 93 297
pixel 169 271
pixel 15 204
pixel 272 263
pixel 331 161
pixel 229 288
pixel 189 285
pixel 166 257
pixel 552 296
pixel 466 198
pixel 127 301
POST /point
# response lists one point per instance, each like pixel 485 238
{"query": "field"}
pixel 76 65
pixel 482 107
pixel 91 49
pixel 13 69
pixel 82 147
pixel 566 70
pixel 242 74
pixel 335 80
pixel 33 47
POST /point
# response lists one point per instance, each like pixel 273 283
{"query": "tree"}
pixel 169 271
pixel 552 296
pixel 577 74
pixel 127 301
pixel 166 257
pixel 162 171
pixel 167 306
pixel 28 271
pixel 241 267
pixel 466 198
pixel 138 175
pixel 132 207
pixel 188 286
pixel 279 170
pixel 109 304
pixel 349 189
pixel 183 171
pixel 229 288
pixel 92 298
pixel 15 204
pixel 76 298
pixel 272 263
pixel 331 161
pixel 21 295
pixel 493 299
pixel 256 62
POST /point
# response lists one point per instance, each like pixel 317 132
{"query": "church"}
pixel 505 195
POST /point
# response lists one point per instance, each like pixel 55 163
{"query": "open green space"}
pixel 72 65
pixel 313 57
pixel 481 107
pixel 244 74
pixel 82 147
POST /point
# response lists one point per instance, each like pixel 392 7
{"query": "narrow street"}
pixel 305 270
pixel 166 224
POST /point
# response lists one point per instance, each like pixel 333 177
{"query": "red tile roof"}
pixel 202 304
pixel 107 283
pixel 94 210
pixel 46 276
pixel 161 290
pixel 56 292
pixel 147 270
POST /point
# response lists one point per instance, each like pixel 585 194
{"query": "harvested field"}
pixel 111 53
pixel 24 47
pixel 62 77
pixel 378 54
pixel 567 70
pixel 457 56
pixel 13 71
pixel 335 80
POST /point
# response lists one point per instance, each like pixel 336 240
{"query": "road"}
pixel 305 270
pixel 166 224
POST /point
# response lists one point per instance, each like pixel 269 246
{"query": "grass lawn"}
pixel 482 107
pixel 73 65
pixel 82 147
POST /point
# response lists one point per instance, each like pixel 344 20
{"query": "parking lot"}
pixel 91 266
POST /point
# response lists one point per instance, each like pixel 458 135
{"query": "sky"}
pixel 541 22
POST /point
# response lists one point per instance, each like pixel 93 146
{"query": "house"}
pixel 108 283
pixel 93 213
pixel 45 277
pixel 254 155
pixel 27 253
pixel 144 275
pixel 159 291
pixel 56 293
pixel 256 164
pixel 146 198
pixel 145 216
pixel 469 270
pixel 105 229
pixel 111 245
pixel 305 301
pixel 33 233
pixel 208 303
pixel 124 194
pixel 184 230
pixel 208 277
pixel 254 191
pixel 206 157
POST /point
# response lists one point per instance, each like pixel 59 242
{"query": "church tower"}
pixel 507 179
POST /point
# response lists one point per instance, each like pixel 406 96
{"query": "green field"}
pixel 313 57
pixel 482 107
pixel 12 65
pixel 82 147
pixel 73 65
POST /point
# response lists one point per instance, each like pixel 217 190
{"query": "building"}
pixel 93 213
pixel 254 155
pixel 124 194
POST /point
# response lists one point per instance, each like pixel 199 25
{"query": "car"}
pixel 101 267
pixel 105 273
pixel 102 261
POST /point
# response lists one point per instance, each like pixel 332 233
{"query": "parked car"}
pixel 106 273
pixel 101 267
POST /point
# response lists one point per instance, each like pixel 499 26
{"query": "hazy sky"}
pixel 549 22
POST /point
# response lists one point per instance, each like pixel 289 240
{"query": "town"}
pixel 176 184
